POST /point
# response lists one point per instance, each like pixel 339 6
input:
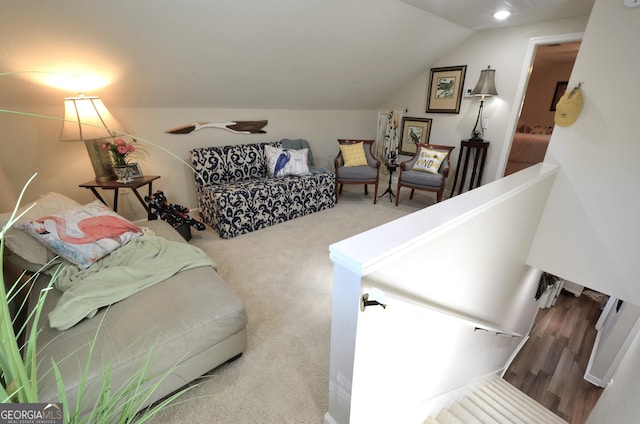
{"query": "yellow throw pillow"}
pixel 429 160
pixel 353 154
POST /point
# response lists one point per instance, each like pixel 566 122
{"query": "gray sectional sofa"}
pixel 237 196
pixel 192 322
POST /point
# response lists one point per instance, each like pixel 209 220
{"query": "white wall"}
pixel 8 197
pixel 618 328
pixel 31 145
pixel 465 256
pixel 590 233
pixel 320 128
pixel 504 50
pixel 619 402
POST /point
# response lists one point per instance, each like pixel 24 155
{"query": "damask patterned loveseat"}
pixel 236 196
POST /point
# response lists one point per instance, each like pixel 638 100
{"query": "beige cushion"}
pixel 429 160
pixel 353 154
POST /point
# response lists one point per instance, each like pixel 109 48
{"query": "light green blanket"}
pixel 140 263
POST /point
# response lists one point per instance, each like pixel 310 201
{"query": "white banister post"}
pixel 344 320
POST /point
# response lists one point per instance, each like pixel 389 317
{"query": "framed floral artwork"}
pixel 444 92
pixel 414 131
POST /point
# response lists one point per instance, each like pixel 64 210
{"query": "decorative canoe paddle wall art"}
pixel 237 127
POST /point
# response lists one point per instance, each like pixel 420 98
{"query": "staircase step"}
pixel 463 414
pixel 525 412
pixel 496 403
pixel 541 414
pixel 446 417
pixel 478 412
pixel 502 408
pixel 489 408
pixel 531 412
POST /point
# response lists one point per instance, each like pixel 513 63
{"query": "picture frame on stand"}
pixel 134 170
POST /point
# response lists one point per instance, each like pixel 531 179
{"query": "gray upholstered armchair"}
pixel 362 174
pixel 433 179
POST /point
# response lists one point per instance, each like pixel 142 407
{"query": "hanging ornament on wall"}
pixel 237 127
pixel 569 107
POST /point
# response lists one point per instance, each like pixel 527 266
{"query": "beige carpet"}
pixel 284 276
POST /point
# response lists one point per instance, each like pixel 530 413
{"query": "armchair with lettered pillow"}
pixel 427 170
pixel 116 284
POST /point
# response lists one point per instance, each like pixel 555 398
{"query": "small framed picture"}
pixel 136 171
pixel 414 131
pixel 445 89
pixel 561 87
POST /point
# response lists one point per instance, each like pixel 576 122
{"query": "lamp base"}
pixel 100 161
pixel 478 132
pixel 476 136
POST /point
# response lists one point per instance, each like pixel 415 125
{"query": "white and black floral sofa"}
pixel 237 193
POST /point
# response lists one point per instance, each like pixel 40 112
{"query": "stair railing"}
pixel 376 296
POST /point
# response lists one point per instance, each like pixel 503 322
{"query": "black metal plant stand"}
pixel 391 167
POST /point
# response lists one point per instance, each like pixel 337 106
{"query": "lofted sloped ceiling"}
pixel 255 54
pixel 478 14
pixel 290 54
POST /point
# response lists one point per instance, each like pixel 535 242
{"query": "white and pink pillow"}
pixel 83 234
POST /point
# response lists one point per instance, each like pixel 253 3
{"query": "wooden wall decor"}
pixel 237 127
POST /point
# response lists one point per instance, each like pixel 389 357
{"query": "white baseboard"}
pixel 328 419
pixel 594 380
pixel 515 353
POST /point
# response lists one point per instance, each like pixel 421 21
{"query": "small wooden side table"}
pixel 480 148
pixel 115 186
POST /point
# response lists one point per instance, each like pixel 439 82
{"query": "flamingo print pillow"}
pixel 83 235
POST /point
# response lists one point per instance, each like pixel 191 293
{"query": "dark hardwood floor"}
pixel 551 365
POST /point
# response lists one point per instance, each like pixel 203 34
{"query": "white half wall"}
pixel 442 271
pixel 590 231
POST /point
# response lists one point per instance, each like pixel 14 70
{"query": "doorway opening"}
pixel 548 78
pixel 525 74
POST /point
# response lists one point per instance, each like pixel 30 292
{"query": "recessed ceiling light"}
pixel 502 14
